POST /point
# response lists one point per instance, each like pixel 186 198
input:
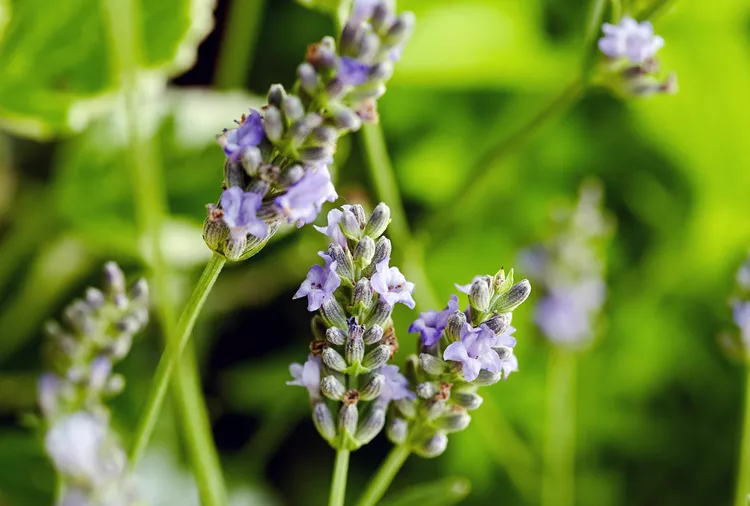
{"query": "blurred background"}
pixel 658 404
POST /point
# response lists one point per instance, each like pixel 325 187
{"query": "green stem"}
pixel 236 56
pixel 338 483
pixel 558 484
pixel 379 483
pixel 743 472
pixel 172 354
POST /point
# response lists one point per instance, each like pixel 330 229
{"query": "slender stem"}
pixel 172 354
pixel 743 472
pixel 558 484
pixel 236 56
pixel 379 483
pixel 338 483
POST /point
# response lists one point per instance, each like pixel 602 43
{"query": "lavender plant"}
pixel 460 351
pixel 277 159
pixel 347 374
pixel 570 268
pixel 96 332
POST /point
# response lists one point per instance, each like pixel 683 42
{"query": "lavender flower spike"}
pixel 303 201
pixel 474 351
pixel 431 324
pixel 320 284
pixel 307 375
pixel 240 212
pixel 392 285
pixel 630 39
pixel 249 134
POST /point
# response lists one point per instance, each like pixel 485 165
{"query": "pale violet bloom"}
pixel 49 391
pixel 741 314
pixel 333 230
pixel 505 339
pixel 80 447
pixel 240 212
pixel 467 288
pixel 630 39
pixel 249 134
pixel 474 351
pixel 431 324
pixel 351 71
pixel 396 385
pixel 320 283
pixel 307 375
pixel 303 200
pixel 392 286
pixel 566 314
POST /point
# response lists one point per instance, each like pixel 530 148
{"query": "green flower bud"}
pixel 377 357
pixel 335 335
pixel 433 447
pixel 453 422
pixel 333 359
pixel 273 124
pixel 431 364
pixel 513 298
pixel 373 334
pixel 323 420
pixel 364 251
pixel 486 378
pixel 468 400
pixel 379 220
pixel 479 295
pixel 456 323
pixel 293 108
pixel 372 387
pixel 276 95
pixel 371 425
pixel 333 314
pixel 332 388
pixel 344 265
pixel 397 430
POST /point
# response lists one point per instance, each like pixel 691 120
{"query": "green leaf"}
pixel 56 68
pixel 445 492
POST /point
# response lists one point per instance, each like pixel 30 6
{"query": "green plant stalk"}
pixel 743 471
pixel 338 482
pixel 558 481
pixel 236 56
pixel 379 483
pixel 172 354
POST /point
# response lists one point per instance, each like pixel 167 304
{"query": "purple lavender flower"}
pixel 392 285
pixel 240 212
pixel 396 385
pixel 467 288
pixel 630 39
pixel 505 339
pixel 303 201
pixel 362 11
pixel 475 352
pixel 431 324
pixel 565 315
pixel 320 284
pixel 307 375
pixel 351 71
pixel 237 140
pixel 741 314
pixel 333 230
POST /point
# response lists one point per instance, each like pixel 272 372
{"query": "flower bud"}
pixel 513 298
pixel 317 155
pixel 380 16
pixel 453 422
pixel 381 72
pixel 503 352
pixel 406 407
pixel 114 279
pixel 468 400
pixel 234 174
pixel 433 447
pixel 308 79
pixel 382 252
pixel 344 265
pixel 368 46
pixel 499 323
pixel 333 314
pixel 400 30
pixel 377 357
pixel 427 389
pixel 397 430
pixel 479 295
pixel 302 128
pixel 332 388
pixel 292 108
pixel 345 119
pixel 362 294
pixel 350 225
pixel 273 124
pixel 371 425
pixel 431 364
pixel 373 334
pixel 348 418
pixel 379 220
pixel 335 335
pixel 139 293
pixel 372 387
pixel 333 359
pixel 291 176
pixel 323 420
pixel 251 160
pixel 276 95
pixel 235 247
pixel 115 385
pixel 95 298
pixel 486 378
pixel 325 136
pixel 456 323
pixel 364 251
pixel 434 408
pixel 355 350
pixel 380 314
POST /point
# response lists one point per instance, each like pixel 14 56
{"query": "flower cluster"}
pixel 347 373
pixel 739 345
pixel 277 159
pixel 460 351
pixel 570 268
pixel 631 68
pixel 97 332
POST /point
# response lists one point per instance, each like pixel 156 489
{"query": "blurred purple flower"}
pixel 333 230
pixel 303 201
pixel 630 39
pixel 240 212
pixel 475 352
pixel 396 385
pixel 431 324
pixel 248 134
pixel 320 284
pixel 467 288
pixel 307 375
pixel 392 285
pixel 351 71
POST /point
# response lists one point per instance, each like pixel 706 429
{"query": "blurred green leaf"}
pixel 75 83
pixel 445 492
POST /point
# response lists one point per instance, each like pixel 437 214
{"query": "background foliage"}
pixel 658 405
